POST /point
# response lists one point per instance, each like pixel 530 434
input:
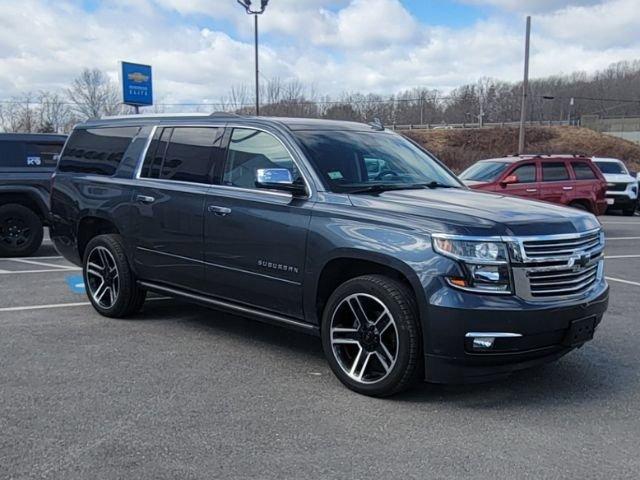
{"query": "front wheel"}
pixel 629 212
pixel 370 335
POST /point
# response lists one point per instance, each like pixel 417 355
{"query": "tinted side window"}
pixel 12 154
pixel 96 150
pixel 43 154
pixel 525 173
pixel 554 172
pixel 250 150
pixel 583 171
pixel 190 153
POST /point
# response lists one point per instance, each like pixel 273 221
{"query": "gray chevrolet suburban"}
pixel 342 230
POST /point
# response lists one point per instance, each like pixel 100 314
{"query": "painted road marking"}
pixel 621 238
pixel 66 269
pixel 620 280
pixel 63 305
pixel 613 257
pixel 76 283
pixel 40 264
pixel 52 257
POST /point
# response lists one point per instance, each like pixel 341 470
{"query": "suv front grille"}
pixel 616 187
pixel 558 266
pixel 562 247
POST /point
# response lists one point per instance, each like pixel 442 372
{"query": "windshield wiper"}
pixel 382 187
pixel 435 184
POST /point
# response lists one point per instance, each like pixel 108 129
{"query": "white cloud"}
pixel 335 45
pixel 531 5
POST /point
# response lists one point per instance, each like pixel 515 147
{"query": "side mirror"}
pixel 511 179
pixel 278 179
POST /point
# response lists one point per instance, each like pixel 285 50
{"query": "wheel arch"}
pixel 28 197
pixel 346 265
pixel 91 226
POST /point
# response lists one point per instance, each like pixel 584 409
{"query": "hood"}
pixel 618 178
pixel 472 212
pixel 471 183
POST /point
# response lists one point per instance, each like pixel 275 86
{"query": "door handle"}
pixel 221 211
pixel 532 190
pixel 567 188
pixel 145 199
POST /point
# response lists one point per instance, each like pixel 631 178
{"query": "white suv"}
pixel 622 188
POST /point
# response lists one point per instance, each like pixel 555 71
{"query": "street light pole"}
pixel 246 4
pixel 525 88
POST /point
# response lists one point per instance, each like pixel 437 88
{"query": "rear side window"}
pixel 184 154
pixel 583 171
pixel 525 173
pixel 554 172
pixel 43 154
pixel 96 151
pixel 12 154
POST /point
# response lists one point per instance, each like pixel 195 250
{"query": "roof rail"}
pixel 152 115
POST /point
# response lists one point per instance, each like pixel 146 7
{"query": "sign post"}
pixel 137 85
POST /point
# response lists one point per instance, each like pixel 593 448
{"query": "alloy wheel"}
pixel 364 338
pixel 103 278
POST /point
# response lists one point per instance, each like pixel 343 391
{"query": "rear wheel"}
pixel 370 335
pixel 110 283
pixel 21 231
pixel 580 206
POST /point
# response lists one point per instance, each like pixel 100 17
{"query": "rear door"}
pixel 168 204
pixel 556 185
pixel 527 185
pixel 587 185
pixel 255 239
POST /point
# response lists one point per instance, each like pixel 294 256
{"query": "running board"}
pixel 254 313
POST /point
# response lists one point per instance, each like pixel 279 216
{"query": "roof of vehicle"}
pixel 32 137
pixel 531 156
pixel 295 124
pixel 606 159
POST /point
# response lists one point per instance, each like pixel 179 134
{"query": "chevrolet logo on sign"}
pixel 138 77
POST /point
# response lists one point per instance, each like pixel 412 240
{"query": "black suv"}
pixel 27 161
pixel 338 229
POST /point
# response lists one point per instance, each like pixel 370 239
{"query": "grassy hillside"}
pixel 460 148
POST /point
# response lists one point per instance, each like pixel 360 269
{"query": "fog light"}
pixel 483 342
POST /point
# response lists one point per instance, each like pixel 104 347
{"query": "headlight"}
pixel 485 263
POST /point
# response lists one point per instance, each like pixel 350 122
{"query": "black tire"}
pixel 629 212
pixel 580 206
pixel 379 291
pixel 21 231
pixel 126 297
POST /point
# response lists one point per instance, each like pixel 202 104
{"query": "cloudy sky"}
pixel 200 48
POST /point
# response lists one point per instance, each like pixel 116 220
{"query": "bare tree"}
pixel 53 113
pixel 93 95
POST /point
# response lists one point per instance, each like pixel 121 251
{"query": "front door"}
pixel 168 205
pixel 527 185
pixel 255 239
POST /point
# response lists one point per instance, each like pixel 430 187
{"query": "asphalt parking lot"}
pixel 183 392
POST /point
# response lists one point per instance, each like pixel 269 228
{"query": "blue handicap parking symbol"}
pixel 76 283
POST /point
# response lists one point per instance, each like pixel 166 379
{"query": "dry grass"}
pixel 460 148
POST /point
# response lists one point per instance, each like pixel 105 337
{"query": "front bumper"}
pixel 542 328
pixel 621 201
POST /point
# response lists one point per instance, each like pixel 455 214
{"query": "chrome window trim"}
pixel 492 335
pixel 144 152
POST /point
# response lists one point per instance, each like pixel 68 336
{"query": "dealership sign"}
pixel 137 85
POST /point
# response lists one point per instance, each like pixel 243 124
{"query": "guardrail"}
pixel 452 126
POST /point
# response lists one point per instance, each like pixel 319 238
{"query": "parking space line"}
pixel 620 280
pixel 58 270
pixel 63 305
pixel 52 257
pixel 621 238
pixel 41 264
pixel 613 257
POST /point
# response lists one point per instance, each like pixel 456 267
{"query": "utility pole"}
pixel 525 89
pixel 247 5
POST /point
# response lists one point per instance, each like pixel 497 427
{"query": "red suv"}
pixel 565 179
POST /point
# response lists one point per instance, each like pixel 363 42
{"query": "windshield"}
pixel 357 161
pixel 484 171
pixel 613 168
